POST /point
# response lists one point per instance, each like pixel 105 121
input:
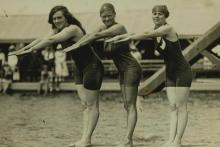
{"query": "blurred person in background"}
pixel 12 62
pixel 23 63
pixel 2 62
pixel 44 80
pixel 61 69
pixel 7 78
pixel 49 56
pixel 49 60
pixel 35 65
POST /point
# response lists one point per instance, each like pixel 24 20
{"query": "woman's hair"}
pixel 69 17
pixel 107 7
pixel 161 8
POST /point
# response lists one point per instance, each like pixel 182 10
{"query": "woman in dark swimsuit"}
pixel 67 30
pixel 129 69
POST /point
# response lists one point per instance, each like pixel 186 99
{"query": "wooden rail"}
pixel 113 86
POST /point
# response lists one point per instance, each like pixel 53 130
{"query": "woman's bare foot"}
pixel 168 144
pixel 176 144
pixel 80 143
pixel 126 143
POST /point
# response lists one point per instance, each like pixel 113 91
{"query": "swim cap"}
pixel 161 8
pixel 107 7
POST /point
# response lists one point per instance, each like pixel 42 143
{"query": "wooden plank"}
pixel 202 43
pixel 197 85
pixel 190 52
pixel 214 59
pixel 144 61
pixel 152 82
pixel 66 86
pixel 29 86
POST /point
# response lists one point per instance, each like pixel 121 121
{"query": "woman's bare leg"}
pixel 181 102
pixel 171 94
pixel 130 97
pixel 90 103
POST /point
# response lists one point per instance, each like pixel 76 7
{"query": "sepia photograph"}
pixel 109 73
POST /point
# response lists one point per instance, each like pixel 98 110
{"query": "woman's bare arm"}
pixel 65 34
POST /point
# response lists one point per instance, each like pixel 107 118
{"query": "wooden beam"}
pixel 190 41
pixel 152 82
pixel 197 85
pixel 65 86
pixel 202 43
pixel 214 59
pixel 15 40
pixel 190 52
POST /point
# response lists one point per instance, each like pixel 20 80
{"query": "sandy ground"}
pixel 55 121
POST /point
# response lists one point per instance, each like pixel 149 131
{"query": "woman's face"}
pixel 108 17
pixel 59 20
pixel 159 18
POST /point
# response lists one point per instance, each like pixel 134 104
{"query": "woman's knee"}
pixel 182 107
pixel 92 104
pixel 89 105
pixel 84 105
pixel 82 95
pixel 172 107
pixel 129 105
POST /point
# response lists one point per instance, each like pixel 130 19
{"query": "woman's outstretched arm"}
pixel 65 34
pixel 161 31
pixel 25 47
pixel 110 32
pixel 119 37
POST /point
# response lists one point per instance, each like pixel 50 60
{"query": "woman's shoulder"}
pixel 171 33
pixel 69 28
pixel 103 27
pixel 119 25
pixel 73 27
pixel 100 28
pixel 120 28
pixel 166 28
pixel 170 28
pixel 74 30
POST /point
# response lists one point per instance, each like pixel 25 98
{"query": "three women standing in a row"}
pixel 69 32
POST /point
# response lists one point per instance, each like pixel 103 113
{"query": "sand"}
pixel 29 120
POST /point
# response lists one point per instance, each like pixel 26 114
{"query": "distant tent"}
pixel 188 23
